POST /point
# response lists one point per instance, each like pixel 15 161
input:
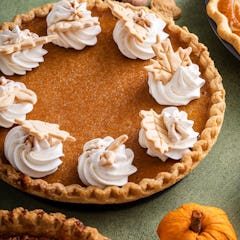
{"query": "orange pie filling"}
pixel 231 9
pixel 97 92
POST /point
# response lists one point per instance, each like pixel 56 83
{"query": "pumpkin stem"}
pixel 196 221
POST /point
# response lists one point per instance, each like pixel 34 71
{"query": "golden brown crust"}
pixel 223 29
pixel 38 223
pixel 167 8
pixel 146 187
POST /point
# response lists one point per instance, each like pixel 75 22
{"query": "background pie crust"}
pixel 37 223
pixel 223 29
pixel 147 186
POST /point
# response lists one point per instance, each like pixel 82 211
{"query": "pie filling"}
pixel 231 9
pixel 98 92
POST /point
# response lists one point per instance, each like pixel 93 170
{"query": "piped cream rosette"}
pixel 166 135
pixel 172 78
pixel 106 162
pixel 15 101
pixel 21 50
pixel 136 30
pixel 73 24
pixel 35 147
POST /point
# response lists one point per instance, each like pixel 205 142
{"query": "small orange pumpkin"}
pixel 196 222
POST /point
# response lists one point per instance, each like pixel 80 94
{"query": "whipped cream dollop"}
pixel 184 86
pixel 15 101
pixel 33 157
pixel 132 47
pixel 20 61
pixel 73 24
pixel 175 131
pixel 101 167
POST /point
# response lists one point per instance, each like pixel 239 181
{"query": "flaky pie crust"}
pixel 223 29
pixel 167 8
pixel 147 186
pixel 37 223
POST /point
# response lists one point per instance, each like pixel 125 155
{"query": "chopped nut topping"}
pixel 117 142
pixel 107 159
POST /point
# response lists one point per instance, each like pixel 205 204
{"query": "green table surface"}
pixel 216 181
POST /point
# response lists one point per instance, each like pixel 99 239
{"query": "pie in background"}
pixel 37 224
pixel 226 14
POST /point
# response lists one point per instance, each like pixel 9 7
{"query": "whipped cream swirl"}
pixel 100 167
pixel 29 155
pixel 73 24
pixel 23 60
pixel 15 108
pixel 132 47
pixel 180 90
pixel 180 135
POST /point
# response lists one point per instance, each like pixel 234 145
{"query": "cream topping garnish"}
pixel 21 50
pixel 15 101
pixel 167 135
pixel 172 78
pixel 73 24
pixel 35 147
pixel 136 30
pixel 106 162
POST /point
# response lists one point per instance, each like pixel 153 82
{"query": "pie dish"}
pixel 226 15
pixel 100 94
pixel 37 224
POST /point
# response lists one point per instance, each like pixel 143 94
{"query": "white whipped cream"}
pixel 180 134
pixel 30 156
pixel 92 171
pixel 130 46
pixel 23 60
pixel 180 90
pixel 73 24
pixel 17 110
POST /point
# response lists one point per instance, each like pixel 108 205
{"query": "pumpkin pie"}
pixel 226 14
pixel 98 92
pixel 22 224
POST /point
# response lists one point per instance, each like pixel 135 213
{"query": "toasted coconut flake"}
pixel 108 158
pixel 117 142
pixel 167 61
pixel 43 130
pixel 155 131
